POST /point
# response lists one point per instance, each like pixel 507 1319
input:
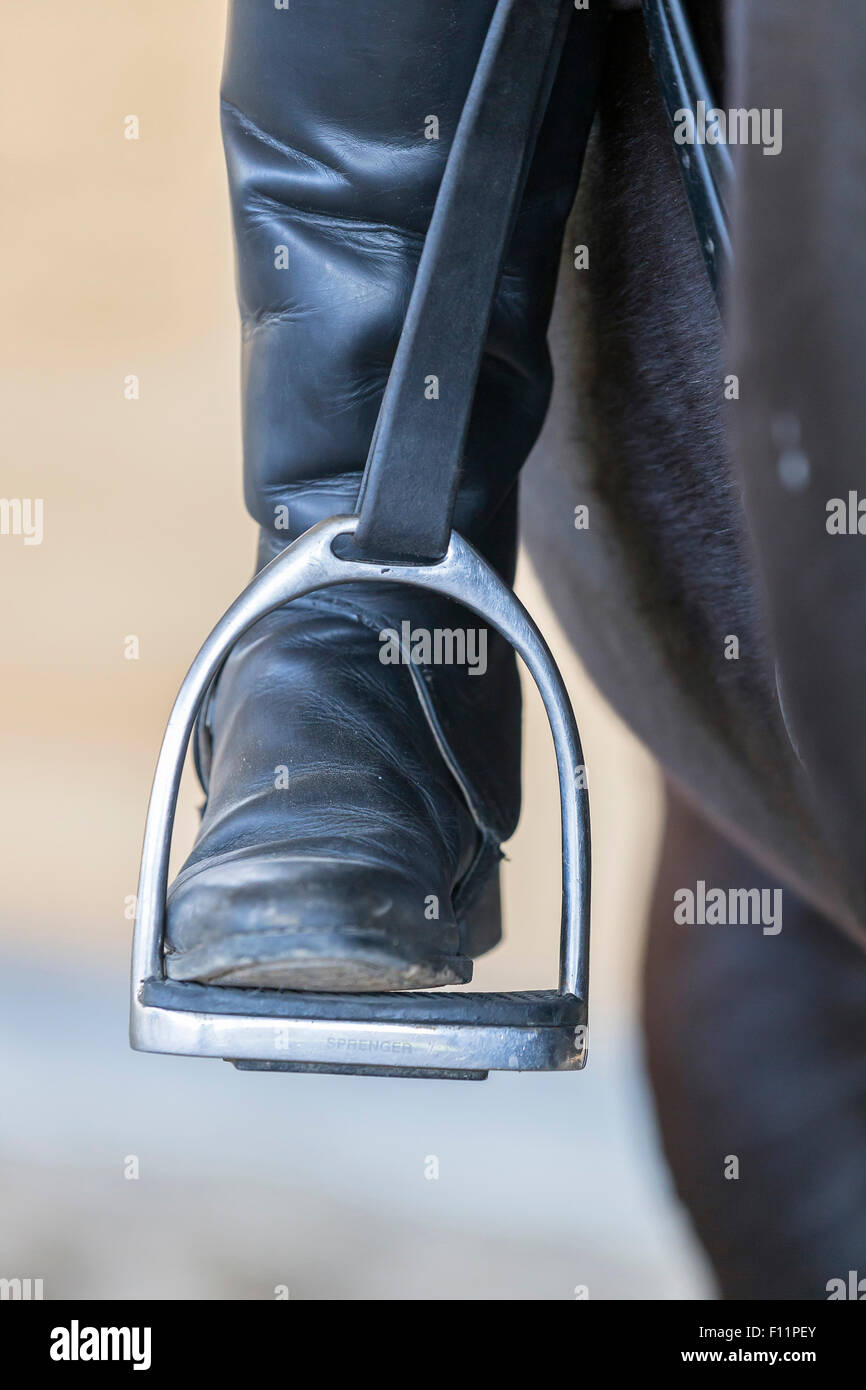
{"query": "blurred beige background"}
pixel 117 261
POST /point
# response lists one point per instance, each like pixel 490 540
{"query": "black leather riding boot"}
pixel 358 789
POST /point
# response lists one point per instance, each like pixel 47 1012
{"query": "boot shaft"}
pixel 337 124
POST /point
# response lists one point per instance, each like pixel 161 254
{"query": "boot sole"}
pixel 343 962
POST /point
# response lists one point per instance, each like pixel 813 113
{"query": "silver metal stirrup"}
pixel 451 1034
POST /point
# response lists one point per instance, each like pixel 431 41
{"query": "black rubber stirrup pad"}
pixel 526 1009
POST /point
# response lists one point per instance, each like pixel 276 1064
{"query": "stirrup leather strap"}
pixel 409 487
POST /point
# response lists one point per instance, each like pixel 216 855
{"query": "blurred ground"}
pixel 117 261
pixel 318 1183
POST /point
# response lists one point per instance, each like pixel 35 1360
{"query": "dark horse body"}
pixel 707 520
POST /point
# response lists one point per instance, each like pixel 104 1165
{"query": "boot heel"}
pixel 481 926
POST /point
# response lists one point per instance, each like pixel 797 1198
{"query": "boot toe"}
pixel 298 922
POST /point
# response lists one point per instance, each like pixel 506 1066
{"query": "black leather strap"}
pixel 706 170
pixel 407 496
